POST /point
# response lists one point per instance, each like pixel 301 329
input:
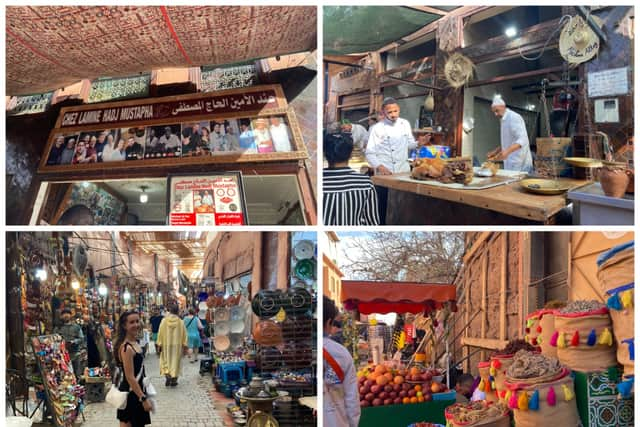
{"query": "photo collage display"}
pixel 268 134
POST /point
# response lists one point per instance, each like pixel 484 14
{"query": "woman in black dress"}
pixel 129 358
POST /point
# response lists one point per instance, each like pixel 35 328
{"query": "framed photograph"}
pixel 206 199
pixel 262 135
pixel 63 149
pixel 163 141
pixel 280 134
pixel 195 138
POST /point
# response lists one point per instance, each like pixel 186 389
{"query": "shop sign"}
pixel 206 200
pixel 608 82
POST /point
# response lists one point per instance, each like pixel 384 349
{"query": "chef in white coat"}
pixel 514 141
pixel 359 133
pixel 388 148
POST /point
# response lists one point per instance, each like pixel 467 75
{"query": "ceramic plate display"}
pixel 299 301
pixel 236 340
pixel 544 186
pixel 305 269
pixel 221 343
pixel 267 332
pixel 221 328
pixel 266 303
pixel 237 313
pixel 222 314
pixel 303 249
pixel 237 326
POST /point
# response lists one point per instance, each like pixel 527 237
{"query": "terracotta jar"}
pixel 614 179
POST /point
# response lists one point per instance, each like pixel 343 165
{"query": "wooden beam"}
pixel 427 9
pixel 503 288
pixel 502 47
pixel 284 261
pixel 466 318
pixel 476 245
pixel 509 77
pixel 489 344
pixel 483 303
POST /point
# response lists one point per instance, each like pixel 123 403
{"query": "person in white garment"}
pixel 388 148
pixel 514 142
pixel 279 134
pixel 341 406
pixel 359 134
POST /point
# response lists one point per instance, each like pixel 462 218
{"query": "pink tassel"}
pixel 554 339
pixel 551 397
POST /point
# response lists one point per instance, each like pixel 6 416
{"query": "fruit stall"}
pixel 394 392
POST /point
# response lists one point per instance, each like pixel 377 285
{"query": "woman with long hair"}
pixel 194 326
pixel 128 356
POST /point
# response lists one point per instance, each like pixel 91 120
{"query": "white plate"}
pixel 222 328
pixel 237 326
pixel 303 249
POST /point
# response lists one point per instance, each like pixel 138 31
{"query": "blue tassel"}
pixel 613 302
pixel 629 341
pixel 534 403
pixel 624 388
pixel 591 340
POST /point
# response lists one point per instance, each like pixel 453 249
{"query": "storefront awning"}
pixel 50 47
pixel 396 297
pixel 359 29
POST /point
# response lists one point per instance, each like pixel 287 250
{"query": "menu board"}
pixel 207 200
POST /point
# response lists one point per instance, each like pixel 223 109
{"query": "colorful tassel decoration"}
pixel 591 340
pixel 527 330
pixel 534 402
pixel 493 385
pixel 496 364
pixel 627 298
pixel 492 371
pixel 613 302
pixel 606 338
pixel 568 393
pixel 575 339
pixel 561 341
pixel 481 385
pixel 551 397
pixel 503 395
pixel 539 329
pixel 507 395
pixel 529 323
pixel 554 339
pixel 629 342
pixel 523 401
pixel 539 340
pixel 526 338
pixel 513 401
pixel 534 341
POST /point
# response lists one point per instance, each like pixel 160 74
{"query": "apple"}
pixel 393 395
pixel 377 402
pixel 411 393
pixel 387 401
pixel 397 401
pixel 362 379
pixel 383 395
pixel 375 389
pixel 388 388
pixel 428 376
pixel 369 383
pixel 364 390
pixel 402 394
pixel 427 397
pixel 407 386
pixel 397 387
pixel 369 397
pixel 365 403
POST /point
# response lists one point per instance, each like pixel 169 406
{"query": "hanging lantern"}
pixel 429 102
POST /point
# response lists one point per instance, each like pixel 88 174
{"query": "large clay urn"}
pixel 614 178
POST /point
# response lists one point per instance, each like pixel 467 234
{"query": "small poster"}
pixel 207 200
pixel 608 82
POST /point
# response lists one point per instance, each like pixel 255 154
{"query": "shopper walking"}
pixel 172 340
pixel 129 358
pixel 155 320
pixel 341 398
pixel 193 326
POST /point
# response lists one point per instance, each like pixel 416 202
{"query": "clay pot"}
pixel 630 187
pixel 614 179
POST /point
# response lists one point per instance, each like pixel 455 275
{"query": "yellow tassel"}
pixel 481 385
pixel 568 393
pixel 606 338
pixel 523 402
pixel 627 298
pixel 492 371
pixel 561 342
pixel 507 396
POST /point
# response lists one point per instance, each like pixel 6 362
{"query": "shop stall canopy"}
pixel 358 29
pixel 396 297
pixel 51 47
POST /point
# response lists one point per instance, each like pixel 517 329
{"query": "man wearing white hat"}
pixel 514 141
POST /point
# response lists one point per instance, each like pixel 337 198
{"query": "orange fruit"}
pixel 406 400
pixel 420 399
pixel 414 400
pixel 418 387
pixel 398 380
pixel 380 369
pixel 389 376
pixel 414 370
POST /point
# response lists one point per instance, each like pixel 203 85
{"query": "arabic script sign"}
pixel 232 103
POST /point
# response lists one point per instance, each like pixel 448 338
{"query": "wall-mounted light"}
pixel 531 107
pixel 75 284
pixel 144 197
pixel 102 290
pixel 510 32
pixel 85 184
pixel 41 274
